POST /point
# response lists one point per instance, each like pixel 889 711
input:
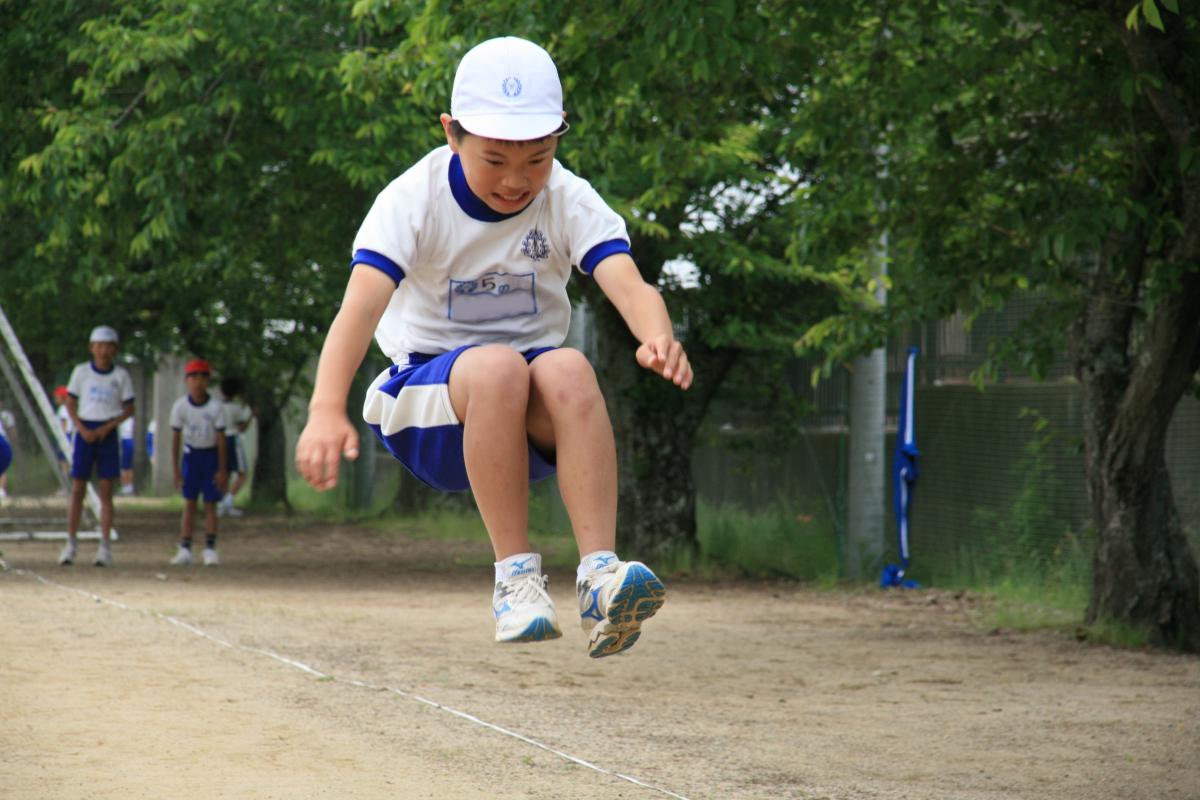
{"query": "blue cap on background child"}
pixel 508 88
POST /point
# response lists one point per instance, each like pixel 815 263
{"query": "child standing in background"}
pixel 99 398
pixel 125 433
pixel 198 424
pixel 5 454
pixel 238 417
pixel 64 421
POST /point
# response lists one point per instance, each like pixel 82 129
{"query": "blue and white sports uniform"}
pixel 150 438
pixel 125 434
pixel 199 425
pixel 99 397
pixel 5 447
pixel 467 275
pixel 236 415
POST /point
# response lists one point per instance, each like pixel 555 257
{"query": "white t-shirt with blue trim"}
pixel 100 396
pixel 466 274
pixel 200 424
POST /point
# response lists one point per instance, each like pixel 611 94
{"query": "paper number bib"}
pixel 493 296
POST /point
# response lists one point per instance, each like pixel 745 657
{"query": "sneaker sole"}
pixel 640 597
pixel 539 630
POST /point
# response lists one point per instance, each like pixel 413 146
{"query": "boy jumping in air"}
pixel 460 270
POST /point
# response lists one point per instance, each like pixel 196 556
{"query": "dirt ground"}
pixel 344 662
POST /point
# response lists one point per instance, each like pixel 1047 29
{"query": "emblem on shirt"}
pixel 511 86
pixel 534 246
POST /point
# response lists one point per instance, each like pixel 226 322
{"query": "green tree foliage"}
pixel 211 162
pixel 1029 146
pixel 192 176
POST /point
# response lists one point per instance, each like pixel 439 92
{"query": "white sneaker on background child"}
pixel 183 557
pixel 67 556
pixel 615 598
pixel 210 557
pixel 523 609
pixel 103 555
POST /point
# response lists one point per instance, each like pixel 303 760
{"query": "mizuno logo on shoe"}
pixel 593 609
pixel 521 567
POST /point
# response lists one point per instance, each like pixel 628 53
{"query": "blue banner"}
pixel 904 474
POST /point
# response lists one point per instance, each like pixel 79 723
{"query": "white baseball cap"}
pixel 508 88
pixel 103 333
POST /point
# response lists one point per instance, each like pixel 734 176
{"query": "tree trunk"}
pixel 1134 371
pixel 270 465
pixel 1133 375
pixel 655 424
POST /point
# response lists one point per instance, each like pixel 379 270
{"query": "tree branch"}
pixel 129 108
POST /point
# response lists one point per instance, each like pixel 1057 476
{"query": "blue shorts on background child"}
pixel 198 429
pixel 99 398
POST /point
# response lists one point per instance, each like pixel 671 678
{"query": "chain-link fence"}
pixel 1001 469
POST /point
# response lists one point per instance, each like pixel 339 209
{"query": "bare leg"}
pixel 75 510
pixel 489 390
pixel 567 416
pixel 105 485
pixel 187 522
pixel 210 519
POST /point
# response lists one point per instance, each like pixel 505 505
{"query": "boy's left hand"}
pixel 664 355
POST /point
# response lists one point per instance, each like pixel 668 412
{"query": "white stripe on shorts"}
pixel 419 406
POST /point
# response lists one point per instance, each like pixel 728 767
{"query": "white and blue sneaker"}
pixel 523 609
pixel 614 600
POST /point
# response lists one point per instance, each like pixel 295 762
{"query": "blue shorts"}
pixel 5 455
pixel 127 454
pixel 103 455
pixel 409 409
pixel 149 445
pixel 233 456
pixel 199 468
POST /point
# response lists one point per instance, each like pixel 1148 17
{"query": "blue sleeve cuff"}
pixel 602 251
pixel 380 262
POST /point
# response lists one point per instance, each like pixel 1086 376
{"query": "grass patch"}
pixel 1117 634
pixel 332 505
pixel 1027 591
pixel 776 542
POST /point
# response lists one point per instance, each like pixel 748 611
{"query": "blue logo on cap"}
pixel 510 87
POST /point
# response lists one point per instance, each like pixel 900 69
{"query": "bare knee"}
pixel 565 382
pixel 494 374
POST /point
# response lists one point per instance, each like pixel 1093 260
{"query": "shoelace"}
pixel 528 589
pixel 595 577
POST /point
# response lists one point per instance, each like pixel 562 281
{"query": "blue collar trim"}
pixel 194 403
pixel 99 371
pixel 471 205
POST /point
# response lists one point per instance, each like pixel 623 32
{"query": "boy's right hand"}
pixel 326 437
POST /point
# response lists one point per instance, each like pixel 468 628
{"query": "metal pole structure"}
pixel 43 403
pixel 867 498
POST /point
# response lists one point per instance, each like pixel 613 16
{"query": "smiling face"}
pixel 504 175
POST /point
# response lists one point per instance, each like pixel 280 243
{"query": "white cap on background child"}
pixel 103 333
pixel 508 88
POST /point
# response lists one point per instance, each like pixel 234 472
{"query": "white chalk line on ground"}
pixel 302 667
